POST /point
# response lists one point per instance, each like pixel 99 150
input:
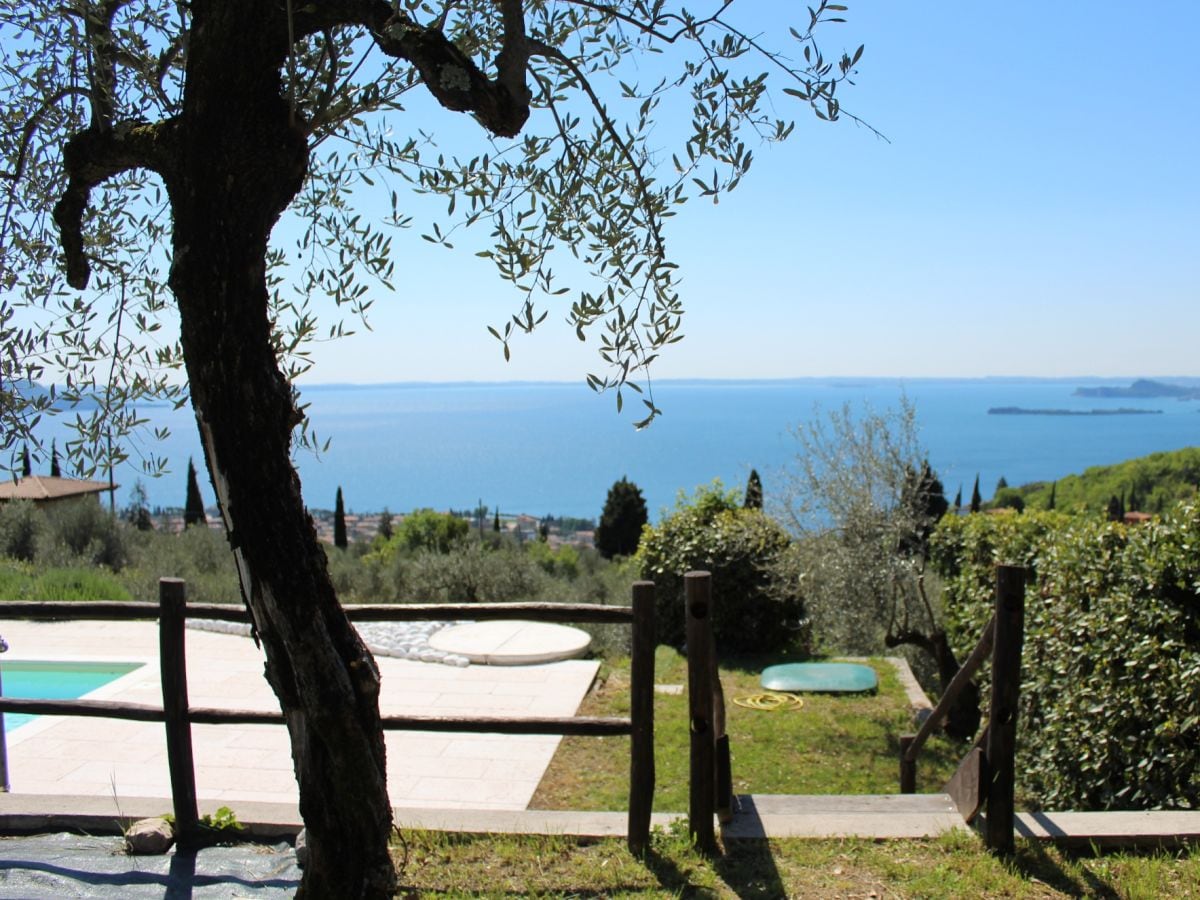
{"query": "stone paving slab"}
pixel 512 642
pixel 252 763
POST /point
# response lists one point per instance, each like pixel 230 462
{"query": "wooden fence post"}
pixel 1006 689
pixel 641 714
pixel 697 589
pixel 173 666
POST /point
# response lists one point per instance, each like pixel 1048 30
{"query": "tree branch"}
pixel 501 105
pixel 90 158
pixel 553 53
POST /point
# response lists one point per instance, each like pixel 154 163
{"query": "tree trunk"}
pixel 240 163
pixel 962 719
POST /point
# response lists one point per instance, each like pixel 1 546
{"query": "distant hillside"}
pixel 1154 483
pixel 1142 388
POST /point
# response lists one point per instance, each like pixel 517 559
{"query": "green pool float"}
pixel 826 678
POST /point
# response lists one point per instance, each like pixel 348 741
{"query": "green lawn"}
pixel 434 864
pixel 834 744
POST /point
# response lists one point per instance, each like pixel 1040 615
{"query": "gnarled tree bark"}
pixel 233 175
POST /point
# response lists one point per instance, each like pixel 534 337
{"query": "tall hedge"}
pixel 713 532
pixel 1110 703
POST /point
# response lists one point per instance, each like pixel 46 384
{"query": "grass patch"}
pixel 834 744
pixel 436 864
pixel 20 581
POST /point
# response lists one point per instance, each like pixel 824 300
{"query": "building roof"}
pixel 46 487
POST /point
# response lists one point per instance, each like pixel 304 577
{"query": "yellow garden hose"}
pixel 770 702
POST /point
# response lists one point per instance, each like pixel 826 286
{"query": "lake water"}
pixel 557 448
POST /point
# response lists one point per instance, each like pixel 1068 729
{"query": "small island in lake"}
pixel 1142 388
pixel 1021 411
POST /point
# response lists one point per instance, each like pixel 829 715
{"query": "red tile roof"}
pixel 46 487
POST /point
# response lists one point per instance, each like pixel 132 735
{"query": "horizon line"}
pixel 836 379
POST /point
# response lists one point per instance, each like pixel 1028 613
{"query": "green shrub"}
pixel 422 529
pixel 82 531
pixel 712 531
pixel 201 556
pixel 470 572
pixel 1110 702
pixel 561 562
pixel 20 525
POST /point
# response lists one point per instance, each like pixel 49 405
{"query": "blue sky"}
pixel 1036 212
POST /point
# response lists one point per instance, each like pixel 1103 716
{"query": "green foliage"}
pixel 711 531
pixel 622 520
pixel 1110 707
pixel 81 530
pixel 422 529
pixel 976 497
pixel 562 562
pixel 21 581
pixel 223 820
pixel 20 525
pixel 200 556
pixel 1008 498
pixel 754 491
pixel 1153 484
pixel 472 573
pixel 137 513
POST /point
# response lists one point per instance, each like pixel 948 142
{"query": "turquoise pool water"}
pixel 51 680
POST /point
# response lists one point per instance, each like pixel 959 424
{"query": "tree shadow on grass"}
pixel 1032 861
pixel 748 868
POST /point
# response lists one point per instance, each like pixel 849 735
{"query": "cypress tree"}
pixel 496 522
pixel 958 499
pixel 339 521
pixel 1134 501
pixel 1114 509
pixel 26 465
pixel 193 507
pixel 976 498
pixel 1001 484
pixel 754 492
pixel 1121 507
pixel 55 471
pixel 1053 488
pixel 385 524
pixel 620 528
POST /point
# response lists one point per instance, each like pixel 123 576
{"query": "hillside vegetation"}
pixel 1149 484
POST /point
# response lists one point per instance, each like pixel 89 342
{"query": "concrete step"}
pixel 866 815
pixel 1150 828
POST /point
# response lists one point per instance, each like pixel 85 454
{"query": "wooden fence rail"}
pixel 178 715
pixel 987 774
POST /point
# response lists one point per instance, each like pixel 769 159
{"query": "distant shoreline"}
pixel 1020 411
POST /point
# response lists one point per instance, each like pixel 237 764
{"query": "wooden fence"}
pixel 987 774
pixel 710 789
pixel 178 715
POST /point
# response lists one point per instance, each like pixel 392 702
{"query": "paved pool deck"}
pixel 116 759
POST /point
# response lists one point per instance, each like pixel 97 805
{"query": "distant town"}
pixel 365 526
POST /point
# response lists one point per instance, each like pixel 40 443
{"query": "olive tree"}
pixel 150 147
pixel 862 501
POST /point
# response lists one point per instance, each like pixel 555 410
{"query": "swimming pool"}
pixel 51 680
